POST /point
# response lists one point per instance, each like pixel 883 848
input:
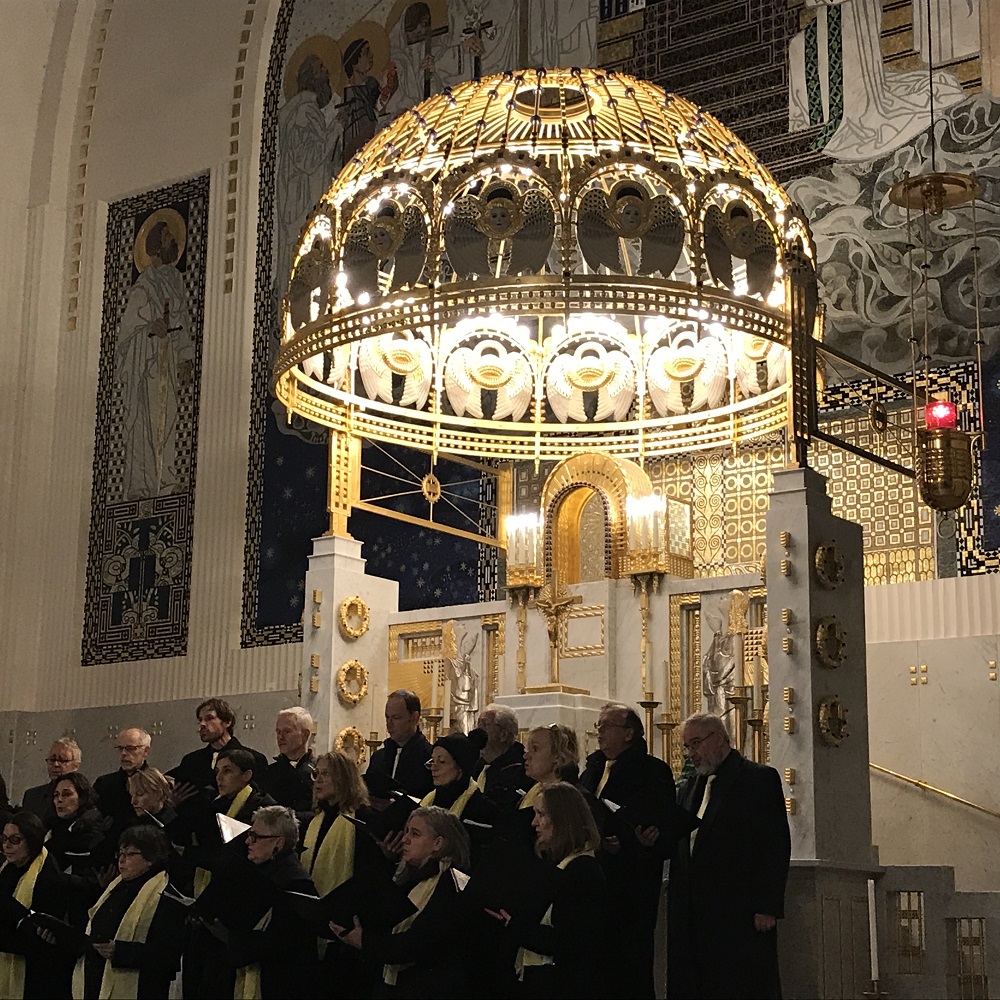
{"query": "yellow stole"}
pixel 419 896
pixel 202 876
pixel 134 927
pixel 528 799
pixel 12 966
pixel 247 985
pixel 332 863
pixel 459 804
pixel 526 957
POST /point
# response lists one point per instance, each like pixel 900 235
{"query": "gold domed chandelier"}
pixel 535 263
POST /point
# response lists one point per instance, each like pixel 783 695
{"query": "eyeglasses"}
pixel 253 836
pixel 601 726
pixel 13 839
pixel 59 760
pixel 129 854
pixel 693 745
pixel 119 748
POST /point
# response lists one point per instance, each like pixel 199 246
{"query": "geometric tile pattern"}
pixel 139 559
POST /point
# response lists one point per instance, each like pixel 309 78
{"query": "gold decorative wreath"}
pixel 353 609
pixel 351 741
pixel 352 670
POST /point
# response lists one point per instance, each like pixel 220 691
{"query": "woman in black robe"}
pixel 33 963
pixel 135 930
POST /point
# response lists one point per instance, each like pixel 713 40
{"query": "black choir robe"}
pixel 411 771
pixel 739 867
pixel 505 780
pixel 635 873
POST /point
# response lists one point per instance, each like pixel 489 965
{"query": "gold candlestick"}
pixel 373 743
pixel 756 724
pixel 650 705
pixel 739 699
pixel 666 726
pixel 434 717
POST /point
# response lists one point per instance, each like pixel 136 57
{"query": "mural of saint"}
pixel 366 50
pixel 836 74
pixel 309 144
pixel 154 359
pixel 422 49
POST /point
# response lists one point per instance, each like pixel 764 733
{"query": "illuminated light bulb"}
pixel 364 298
pixel 449 208
pixel 341 280
pixel 716 329
pixel 373 205
pixel 942 414
pixel 777 297
pixel 505 168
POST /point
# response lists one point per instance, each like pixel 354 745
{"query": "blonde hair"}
pixel 562 744
pixel 149 780
pixel 349 789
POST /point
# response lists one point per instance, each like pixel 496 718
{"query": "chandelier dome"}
pixel 538 257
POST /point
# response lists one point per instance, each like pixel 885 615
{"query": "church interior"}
pixel 535 352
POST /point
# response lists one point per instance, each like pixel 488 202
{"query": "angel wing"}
pixel 313 366
pixel 462 392
pixel 616 397
pixel 598 240
pixel 664 239
pixel 360 264
pixel 467 248
pixel 558 391
pixel 705 389
pixel 717 252
pixel 530 245
pixel 514 397
pixel 412 252
pixel 761 258
pixel 760 366
pixel 381 382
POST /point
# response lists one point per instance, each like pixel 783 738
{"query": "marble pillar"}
pixel 337 573
pixel 819 735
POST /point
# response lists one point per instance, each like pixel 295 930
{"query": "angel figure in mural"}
pixel 869 110
pixel 460 643
pixel 365 98
pixel 308 154
pixel 154 360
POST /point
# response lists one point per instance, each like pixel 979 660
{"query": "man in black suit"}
pixel 196 771
pixel 499 772
pixel 727 885
pixel 113 797
pixel 289 780
pixel 64 757
pixel 403 756
pixel 642 829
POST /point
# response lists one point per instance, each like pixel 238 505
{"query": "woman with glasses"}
pixel 276 956
pixel 31 962
pixel 424 954
pixel 566 953
pixel 453 759
pixel 135 931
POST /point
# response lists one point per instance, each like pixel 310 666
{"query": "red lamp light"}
pixel 941 414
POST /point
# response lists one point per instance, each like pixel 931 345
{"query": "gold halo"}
pixel 376 37
pixel 438 9
pixel 176 225
pixel 329 54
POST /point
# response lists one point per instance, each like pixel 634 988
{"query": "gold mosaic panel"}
pixel 747 478
pixel 898 528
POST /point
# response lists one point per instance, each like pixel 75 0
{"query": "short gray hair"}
pixel 505 718
pixel 301 716
pixel 71 745
pixel 280 822
pixel 708 722
pixel 145 740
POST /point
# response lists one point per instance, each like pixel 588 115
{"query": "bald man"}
pixel 113 798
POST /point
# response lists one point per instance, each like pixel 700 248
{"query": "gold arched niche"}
pixel 568 488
